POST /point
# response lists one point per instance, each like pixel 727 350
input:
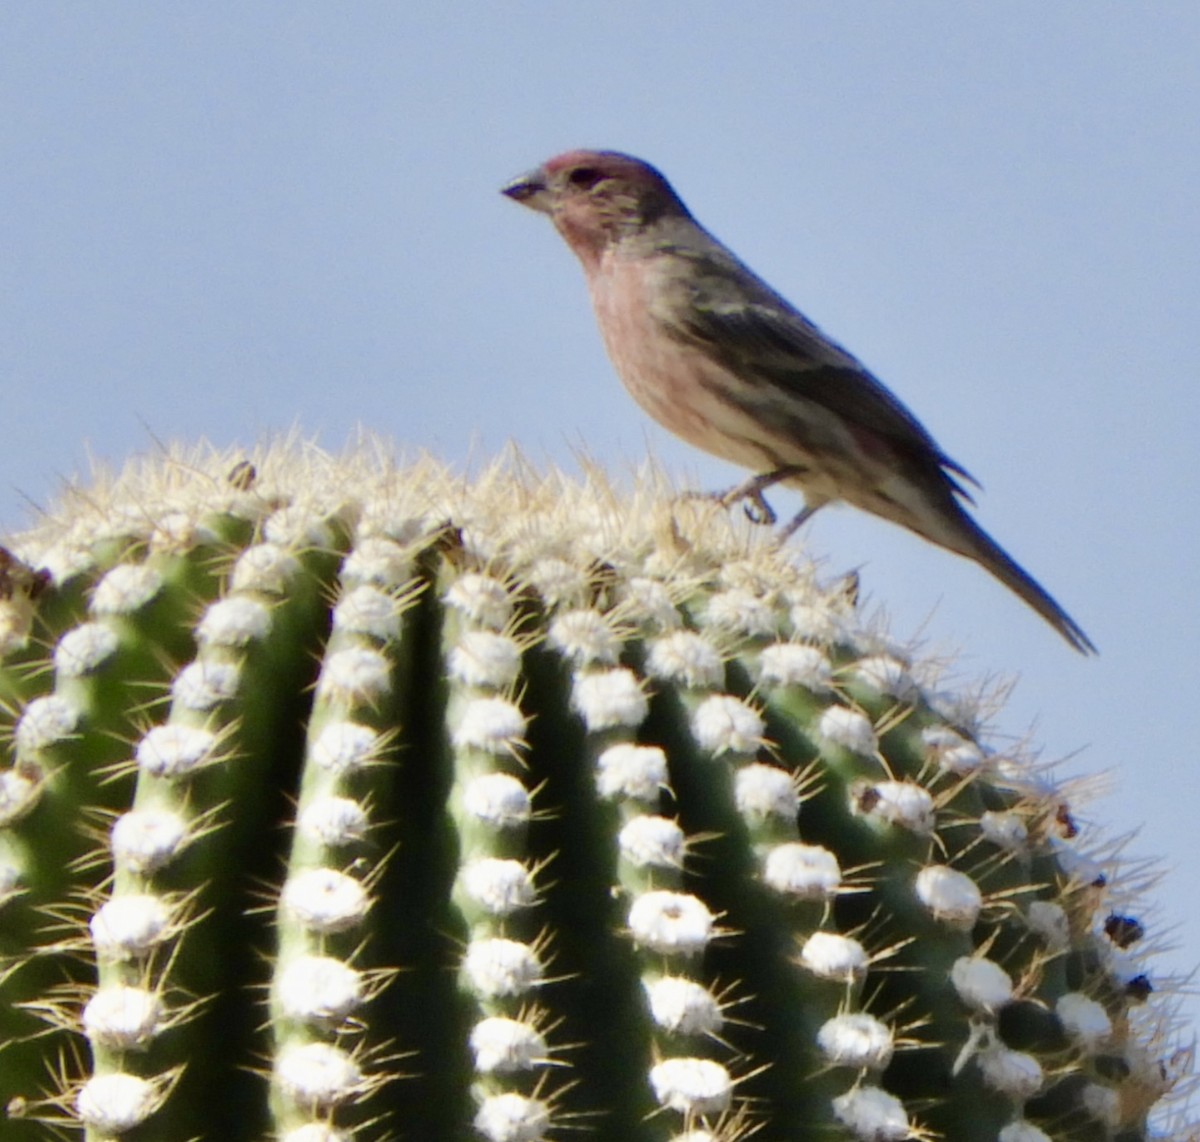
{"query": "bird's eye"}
pixel 584 177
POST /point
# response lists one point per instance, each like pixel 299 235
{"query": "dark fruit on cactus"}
pixel 350 800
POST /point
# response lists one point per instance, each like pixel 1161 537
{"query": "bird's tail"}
pixel 989 554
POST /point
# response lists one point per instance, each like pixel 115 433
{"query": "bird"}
pixel 726 363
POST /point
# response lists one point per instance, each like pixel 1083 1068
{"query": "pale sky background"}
pixel 224 219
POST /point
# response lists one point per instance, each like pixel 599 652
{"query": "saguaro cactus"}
pixel 345 800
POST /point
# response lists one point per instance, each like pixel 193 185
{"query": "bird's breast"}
pixel 679 385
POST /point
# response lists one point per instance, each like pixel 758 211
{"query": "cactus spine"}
pixel 346 800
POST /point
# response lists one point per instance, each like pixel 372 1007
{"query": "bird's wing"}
pixel 756 333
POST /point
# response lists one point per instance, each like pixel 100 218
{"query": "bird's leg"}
pixel 798 521
pixel 757 509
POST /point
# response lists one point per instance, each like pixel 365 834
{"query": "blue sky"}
pixel 226 219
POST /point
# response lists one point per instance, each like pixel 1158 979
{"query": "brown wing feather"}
pixel 756 333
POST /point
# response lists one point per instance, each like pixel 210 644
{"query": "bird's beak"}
pixel 530 190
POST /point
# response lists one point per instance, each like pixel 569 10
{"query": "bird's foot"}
pixel 750 494
pixel 755 505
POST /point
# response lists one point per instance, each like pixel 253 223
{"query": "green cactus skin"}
pixel 347 800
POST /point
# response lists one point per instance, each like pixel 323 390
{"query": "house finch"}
pixel 720 359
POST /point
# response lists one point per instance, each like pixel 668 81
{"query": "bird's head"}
pixel 596 198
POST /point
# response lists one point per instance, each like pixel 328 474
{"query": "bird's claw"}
pixel 757 510
pixel 754 503
pixel 750 493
